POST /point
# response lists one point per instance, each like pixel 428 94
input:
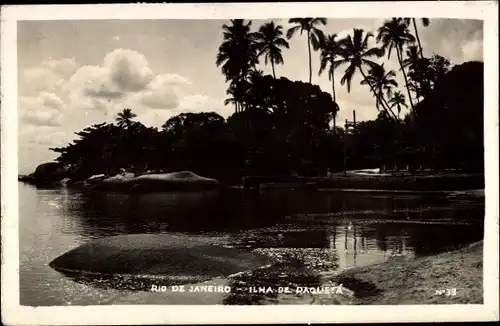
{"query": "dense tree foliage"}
pixel 285 130
pixel 283 127
pixel 449 121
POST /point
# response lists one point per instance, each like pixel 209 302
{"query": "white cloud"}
pixel 93 82
pixel 63 67
pixel 160 99
pixel 122 71
pixel 201 103
pixel 124 79
pixel 44 118
pixel 168 80
pixel 116 38
pixel 163 91
pixel 54 138
pixel 96 93
pixel 48 75
pixel 473 50
pixel 44 110
pixel 129 70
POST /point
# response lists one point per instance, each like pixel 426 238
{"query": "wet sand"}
pixel 454 277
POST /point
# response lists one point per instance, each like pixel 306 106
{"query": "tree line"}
pixel 283 127
pixel 239 54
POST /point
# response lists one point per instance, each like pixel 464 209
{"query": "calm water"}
pixel 306 234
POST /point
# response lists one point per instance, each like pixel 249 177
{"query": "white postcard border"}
pixel 12 313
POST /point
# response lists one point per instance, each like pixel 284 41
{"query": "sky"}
pixel 75 73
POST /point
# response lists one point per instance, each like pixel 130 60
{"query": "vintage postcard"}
pixel 248 163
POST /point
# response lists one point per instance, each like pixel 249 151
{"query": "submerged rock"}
pixel 182 259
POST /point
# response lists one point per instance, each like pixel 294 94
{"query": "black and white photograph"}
pixel 250 157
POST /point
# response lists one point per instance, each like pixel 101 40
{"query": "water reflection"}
pixel 305 233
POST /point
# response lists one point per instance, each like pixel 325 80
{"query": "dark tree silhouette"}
pixel 381 81
pixel 449 121
pixel 395 34
pixel 330 52
pixel 425 22
pixel 314 34
pixel 237 55
pixel 125 117
pixel 356 53
pixel 398 101
pixel 269 41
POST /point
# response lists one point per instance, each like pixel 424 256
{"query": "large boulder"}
pixel 51 171
pixel 160 182
pixel 176 258
pixel 45 174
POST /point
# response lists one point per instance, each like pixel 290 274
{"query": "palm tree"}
pixel 381 81
pixel 238 53
pixel 125 117
pixel 235 93
pixel 356 54
pixel 398 101
pixel 394 33
pixel 314 34
pixel 425 22
pixel 330 51
pixel 417 66
pixel 412 56
pixel 269 40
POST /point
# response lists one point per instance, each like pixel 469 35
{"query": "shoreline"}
pixel 432 182
pixel 454 277
pixel 429 183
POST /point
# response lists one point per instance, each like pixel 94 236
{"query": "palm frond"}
pixel 292 31
pixel 319 21
pixel 316 37
pixel 377 52
pixel 348 75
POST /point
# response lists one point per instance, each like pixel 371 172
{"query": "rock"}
pixel 50 173
pixel 179 258
pixel 66 181
pixel 26 178
pixel 127 175
pixel 45 174
pixel 160 182
pixel 97 177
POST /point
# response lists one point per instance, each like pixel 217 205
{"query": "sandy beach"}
pixel 454 277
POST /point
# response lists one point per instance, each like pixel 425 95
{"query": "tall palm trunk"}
pixel 419 46
pixel 382 100
pixel 333 87
pixel 398 51
pixel 418 38
pixel 334 100
pixel 272 65
pixel 310 60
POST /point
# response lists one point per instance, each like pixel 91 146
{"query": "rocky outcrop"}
pixel 50 172
pixel 45 174
pixel 178 258
pixel 55 174
pixel 161 182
